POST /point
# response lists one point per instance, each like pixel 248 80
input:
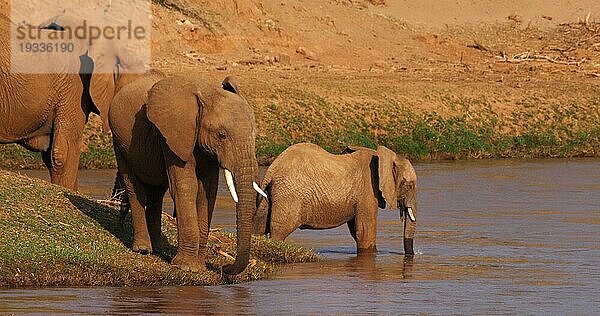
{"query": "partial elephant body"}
pixel 177 136
pixel 299 190
pixel 140 161
pixel 29 105
pixel 47 112
pixel 309 188
pixel 128 116
pixel 34 107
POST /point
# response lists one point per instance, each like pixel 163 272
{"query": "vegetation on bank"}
pixel 460 127
pixel 464 128
pixel 51 236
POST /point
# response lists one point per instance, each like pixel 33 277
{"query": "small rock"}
pixel 185 23
pixel 283 58
pixel 269 59
pixel 515 17
pixel 306 53
pixel 251 61
pixel 380 64
pixel 301 50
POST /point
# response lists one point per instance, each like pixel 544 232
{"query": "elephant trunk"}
pixel 410 223
pixel 244 176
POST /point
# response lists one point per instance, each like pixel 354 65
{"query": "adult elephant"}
pixel 47 112
pixel 309 188
pixel 177 137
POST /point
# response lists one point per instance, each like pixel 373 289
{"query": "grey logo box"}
pixel 49 36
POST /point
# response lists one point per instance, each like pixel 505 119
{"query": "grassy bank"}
pixel 437 124
pixel 422 121
pixel 54 237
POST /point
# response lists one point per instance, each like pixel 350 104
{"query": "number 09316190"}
pixel 46 47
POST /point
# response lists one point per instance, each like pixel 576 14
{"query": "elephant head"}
pixel 397 182
pixel 200 119
pixel 398 186
pixel 106 65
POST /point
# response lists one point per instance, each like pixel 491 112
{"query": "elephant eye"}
pixel 222 134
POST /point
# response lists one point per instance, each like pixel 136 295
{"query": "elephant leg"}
pixel 365 227
pixel 65 163
pixel 284 217
pixel 183 186
pixel 154 215
pixel 136 194
pixel 208 183
pixel 65 151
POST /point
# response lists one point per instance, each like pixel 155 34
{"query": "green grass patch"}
pixel 13 156
pixel 470 127
pixel 51 236
pixel 98 158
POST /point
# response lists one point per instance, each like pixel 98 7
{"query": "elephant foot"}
pixel 370 249
pixel 408 247
pixel 143 248
pixel 188 263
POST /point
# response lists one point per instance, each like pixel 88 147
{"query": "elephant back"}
pixel 127 104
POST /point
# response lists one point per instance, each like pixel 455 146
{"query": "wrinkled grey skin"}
pixel 47 112
pixel 176 137
pixel 309 188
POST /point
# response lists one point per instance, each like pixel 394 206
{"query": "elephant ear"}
pixel 115 65
pixel 62 23
pixel 388 175
pixel 174 108
pixel 406 171
pixel 350 149
pixel 230 84
pixel 98 65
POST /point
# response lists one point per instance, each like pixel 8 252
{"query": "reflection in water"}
pixel 365 267
pixel 233 300
pixel 504 237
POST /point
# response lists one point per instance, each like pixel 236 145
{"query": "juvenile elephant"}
pixel 47 112
pixel 309 188
pixel 177 137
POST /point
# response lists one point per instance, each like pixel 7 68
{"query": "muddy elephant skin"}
pixel 309 188
pixel 176 138
pixel 47 112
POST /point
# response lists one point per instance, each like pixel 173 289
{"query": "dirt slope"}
pixel 353 34
pixel 462 79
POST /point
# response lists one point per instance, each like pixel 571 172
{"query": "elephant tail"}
pixel 119 195
pixel 263 209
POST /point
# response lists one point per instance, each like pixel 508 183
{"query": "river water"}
pixel 493 237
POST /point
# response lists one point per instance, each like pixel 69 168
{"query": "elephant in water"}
pixel 177 137
pixel 309 188
pixel 47 112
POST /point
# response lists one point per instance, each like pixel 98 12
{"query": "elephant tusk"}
pixel 409 210
pixel 230 185
pixel 259 190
